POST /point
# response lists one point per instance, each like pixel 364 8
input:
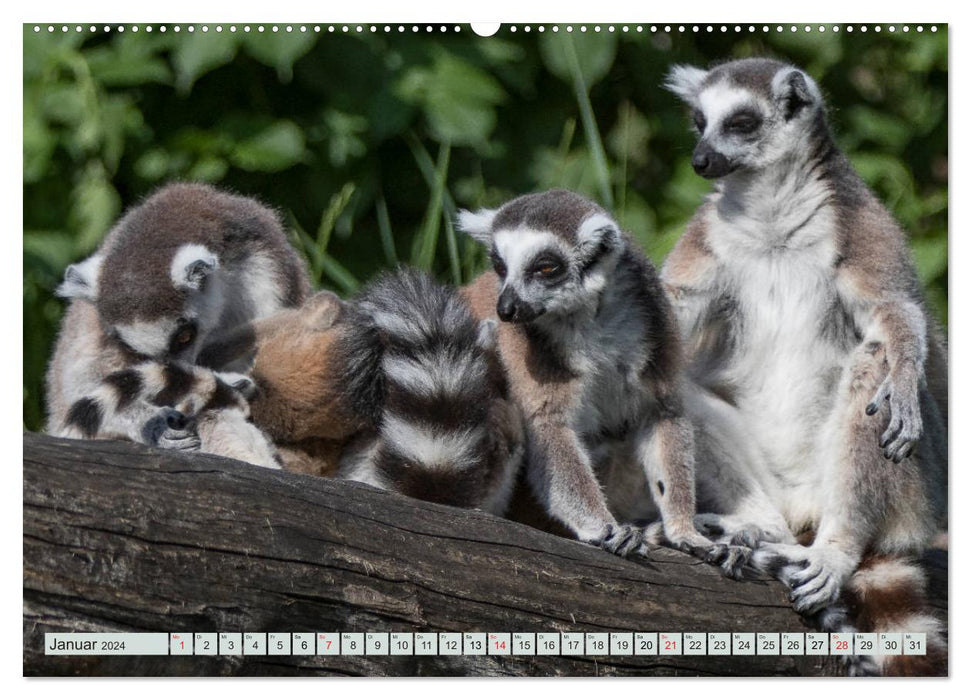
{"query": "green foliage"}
pixel 374 141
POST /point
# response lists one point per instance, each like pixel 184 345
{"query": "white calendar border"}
pixel 509 11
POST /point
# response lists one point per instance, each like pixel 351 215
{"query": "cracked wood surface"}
pixel 122 538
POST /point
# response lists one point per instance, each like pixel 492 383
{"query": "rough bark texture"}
pixel 120 538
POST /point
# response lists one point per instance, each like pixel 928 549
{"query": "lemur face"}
pixel 552 252
pixel 748 114
pixel 162 315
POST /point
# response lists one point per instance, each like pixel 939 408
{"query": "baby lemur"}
pixel 800 307
pixel 171 277
pixel 591 348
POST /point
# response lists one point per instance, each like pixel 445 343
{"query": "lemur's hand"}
pixel 171 430
pixel 901 389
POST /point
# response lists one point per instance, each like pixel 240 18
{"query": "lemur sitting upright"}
pixel 591 347
pixel 173 275
pixel 800 305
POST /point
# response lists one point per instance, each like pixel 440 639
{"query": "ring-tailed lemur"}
pixel 591 348
pixel 173 275
pixel 800 305
pixel 212 407
pixel 399 387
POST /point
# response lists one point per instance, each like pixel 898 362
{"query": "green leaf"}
pixel 278 147
pixel 153 164
pixel 208 168
pixel 594 54
pixel 279 50
pixel 95 205
pixel 130 59
pixel 198 53
pixel 344 140
pixel 458 99
pixel 53 250
pixel 39 143
pixel 930 256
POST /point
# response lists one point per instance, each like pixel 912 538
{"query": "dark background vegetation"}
pixel 368 143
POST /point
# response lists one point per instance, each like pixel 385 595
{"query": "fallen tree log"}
pixel 121 538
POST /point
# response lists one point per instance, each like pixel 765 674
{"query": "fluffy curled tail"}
pixel 885 594
pixel 889 594
pixel 446 432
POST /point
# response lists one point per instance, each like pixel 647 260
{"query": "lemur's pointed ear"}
pixel 81 280
pixel 477 224
pixel 192 265
pixel 794 90
pixel 685 81
pixel 598 235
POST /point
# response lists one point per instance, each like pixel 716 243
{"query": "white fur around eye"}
pixel 519 247
pixel 719 100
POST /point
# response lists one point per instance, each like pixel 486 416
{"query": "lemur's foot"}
pixel 729 530
pixel 171 430
pixel 815 575
pixel 624 540
pixel 730 558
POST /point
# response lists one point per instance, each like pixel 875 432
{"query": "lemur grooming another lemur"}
pixel 148 311
pixel 592 353
pixel 801 307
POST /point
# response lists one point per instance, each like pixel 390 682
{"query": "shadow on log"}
pixel 122 538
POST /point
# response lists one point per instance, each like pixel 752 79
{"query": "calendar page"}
pixel 514 349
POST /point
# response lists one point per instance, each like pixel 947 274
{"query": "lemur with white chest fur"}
pixel 149 308
pixel 801 307
pixel 591 348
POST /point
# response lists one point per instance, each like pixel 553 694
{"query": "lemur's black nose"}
pixel 699 162
pixel 506 307
pixel 708 162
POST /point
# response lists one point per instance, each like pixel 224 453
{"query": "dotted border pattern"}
pixel 414 28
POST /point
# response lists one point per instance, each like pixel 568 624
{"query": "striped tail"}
pixel 446 432
pixel 889 594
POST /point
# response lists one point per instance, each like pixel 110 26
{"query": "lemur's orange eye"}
pixel 185 336
pixel 548 269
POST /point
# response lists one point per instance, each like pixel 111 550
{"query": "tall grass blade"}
pixel 594 142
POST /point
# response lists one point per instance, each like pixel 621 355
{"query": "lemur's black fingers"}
pixel 735 562
pixel 901 448
pixel 624 540
pixel 750 537
pixel 904 452
pixel 881 395
pixel 180 441
pixel 892 431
